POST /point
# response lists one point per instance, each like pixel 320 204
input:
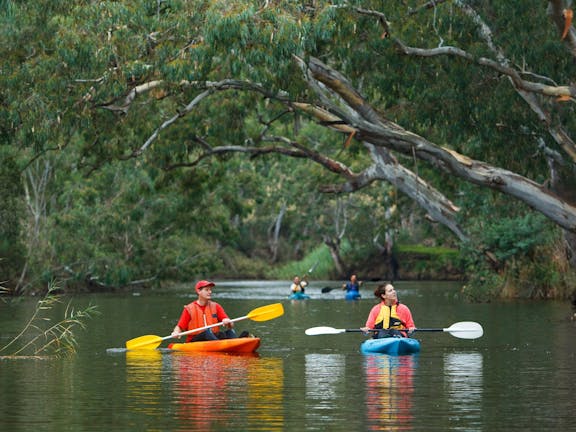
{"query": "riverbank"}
pixel 412 263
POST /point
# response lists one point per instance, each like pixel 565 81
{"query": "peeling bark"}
pixel 383 133
pixel 342 108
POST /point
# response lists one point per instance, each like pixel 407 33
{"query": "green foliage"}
pixel 483 284
pixel 514 237
pixel 516 243
pixel 68 68
pixel 316 265
pixel 238 263
pixel 128 230
pixel 439 251
pixel 11 214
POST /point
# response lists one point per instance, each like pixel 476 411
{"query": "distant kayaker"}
pixel 352 287
pixel 204 312
pixel 298 286
pixel 389 316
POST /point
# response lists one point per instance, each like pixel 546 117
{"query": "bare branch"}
pixel 255 151
pixel 527 89
pixel 131 96
pixel 209 89
pixel 392 136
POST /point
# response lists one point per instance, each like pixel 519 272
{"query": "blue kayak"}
pixel 352 295
pixel 391 345
pixel 299 296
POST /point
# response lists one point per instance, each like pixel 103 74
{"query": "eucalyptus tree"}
pixel 12 254
pixel 430 97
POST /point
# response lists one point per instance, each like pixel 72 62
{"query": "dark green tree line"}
pixel 455 106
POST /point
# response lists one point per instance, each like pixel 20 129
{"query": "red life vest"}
pixel 202 317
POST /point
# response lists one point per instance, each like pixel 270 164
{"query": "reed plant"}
pixel 42 336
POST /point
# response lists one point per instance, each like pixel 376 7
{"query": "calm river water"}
pixel 521 375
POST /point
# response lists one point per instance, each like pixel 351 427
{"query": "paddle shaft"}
pixel 311 269
pixel 196 330
pixel 416 330
pixel 303 278
pixel 375 331
pixel 152 341
pixel 462 330
pixel 263 313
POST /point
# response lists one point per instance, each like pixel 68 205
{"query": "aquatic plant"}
pixel 41 336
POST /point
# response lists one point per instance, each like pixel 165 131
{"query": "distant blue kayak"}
pixel 352 295
pixel 299 296
pixel 391 346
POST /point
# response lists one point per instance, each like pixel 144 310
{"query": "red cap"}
pixel 203 284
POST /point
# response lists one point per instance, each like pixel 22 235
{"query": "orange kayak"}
pixel 236 345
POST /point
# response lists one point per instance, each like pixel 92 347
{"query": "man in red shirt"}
pixel 204 312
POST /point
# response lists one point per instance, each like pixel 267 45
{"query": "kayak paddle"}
pixel 311 269
pixel 462 330
pixel 263 313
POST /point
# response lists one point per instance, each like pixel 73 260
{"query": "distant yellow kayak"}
pixel 236 345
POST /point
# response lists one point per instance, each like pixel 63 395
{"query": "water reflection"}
pixel 323 371
pixel 205 383
pixel 464 381
pixel 144 380
pixel 455 382
pixel 265 397
pixel 389 390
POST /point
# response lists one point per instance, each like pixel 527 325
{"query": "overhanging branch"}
pixel 392 136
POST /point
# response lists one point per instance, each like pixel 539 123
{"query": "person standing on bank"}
pixel 390 317
pixel 204 312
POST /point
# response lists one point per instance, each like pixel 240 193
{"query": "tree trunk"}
pixel 36 180
pixel 275 233
pixel 334 248
pixel 563 183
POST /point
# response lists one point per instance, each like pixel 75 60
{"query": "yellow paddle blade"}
pixel 265 313
pixel 148 342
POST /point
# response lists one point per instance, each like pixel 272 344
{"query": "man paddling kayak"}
pixel 203 312
pixel 389 316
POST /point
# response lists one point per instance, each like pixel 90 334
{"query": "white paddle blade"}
pixel 466 330
pixel 314 331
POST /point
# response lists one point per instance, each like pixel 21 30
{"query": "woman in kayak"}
pixel 298 286
pixel 352 288
pixel 204 312
pixel 390 317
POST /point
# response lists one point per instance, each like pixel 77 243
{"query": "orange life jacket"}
pixel 388 319
pixel 202 318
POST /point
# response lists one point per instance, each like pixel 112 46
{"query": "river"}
pixel 520 375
